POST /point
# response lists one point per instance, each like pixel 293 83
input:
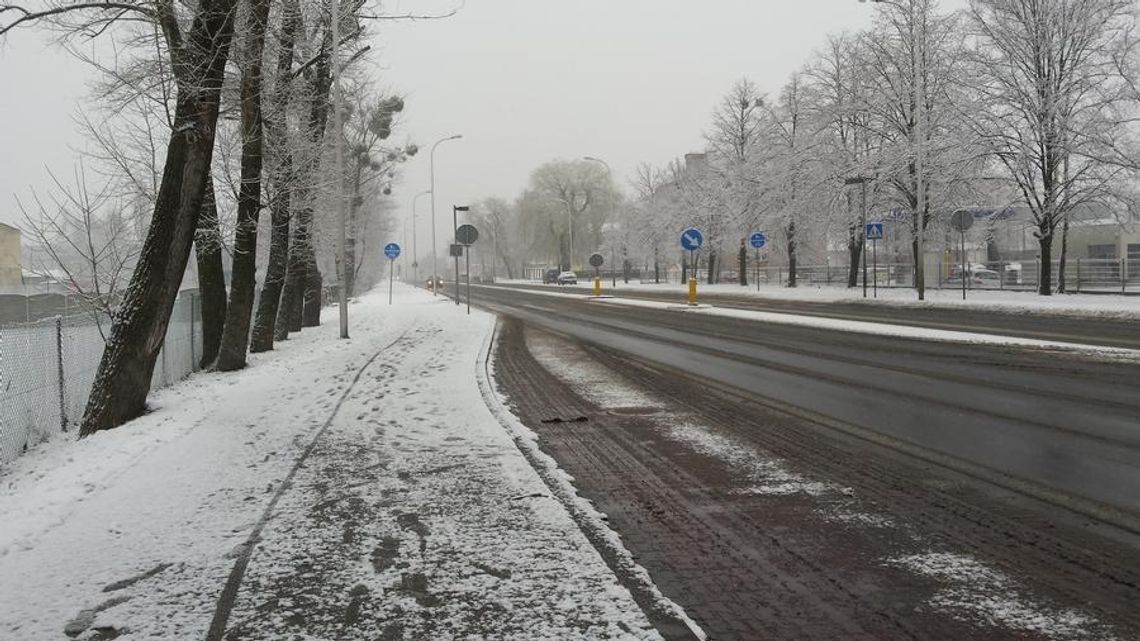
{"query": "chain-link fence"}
pixel 47 367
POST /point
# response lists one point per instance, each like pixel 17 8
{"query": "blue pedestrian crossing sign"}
pixel 874 231
pixel 692 239
pixel 758 240
pixel 392 251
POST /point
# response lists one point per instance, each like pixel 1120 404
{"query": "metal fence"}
pixel 1089 275
pixel 47 367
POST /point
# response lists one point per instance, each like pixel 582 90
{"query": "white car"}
pixel 568 278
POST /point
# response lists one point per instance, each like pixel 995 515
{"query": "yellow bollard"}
pixel 692 291
pixel 597 286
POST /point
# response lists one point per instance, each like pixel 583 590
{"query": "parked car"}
pixel 978 277
pixel 568 278
pixel 550 277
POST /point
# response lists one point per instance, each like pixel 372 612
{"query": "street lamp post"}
pixel 415 250
pixel 613 210
pixel 434 244
pixel 918 62
pixel 455 209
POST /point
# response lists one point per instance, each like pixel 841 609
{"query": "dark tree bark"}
pixel 139 329
pixel 292 298
pixel 314 284
pixel 239 312
pixel 792 254
pixel 211 276
pixel 265 324
pixel 302 271
pixel 1045 275
pixel 854 253
pixel 711 276
pixel 742 261
pixel 1061 289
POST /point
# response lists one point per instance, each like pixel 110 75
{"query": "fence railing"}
pixel 1090 275
pixel 47 367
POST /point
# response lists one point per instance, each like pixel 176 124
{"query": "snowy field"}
pixel 1103 305
pixel 366 474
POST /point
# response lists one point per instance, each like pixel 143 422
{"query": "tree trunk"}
pixel 211 276
pixel 276 126
pixel 239 312
pixel 302 270
pixel 855 254
pixel 1045 275
pixel 792 254
pixel 139 329
pixel 312 299
pixel 711 276
pixel 1064 256
pixel 292 301
pixel 350 225
pixel 742 260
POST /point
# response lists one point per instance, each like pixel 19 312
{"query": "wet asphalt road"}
pixel 1059 425
pixel 1099 331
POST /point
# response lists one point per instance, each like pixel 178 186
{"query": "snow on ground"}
pixel 1098 305
pixel 972 591
pixel 975 592
pixel 414 515
pixel 867 327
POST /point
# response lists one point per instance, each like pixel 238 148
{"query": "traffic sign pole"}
pixel 392 251
pixel 758 240
pixel 875 254
pixel 691 241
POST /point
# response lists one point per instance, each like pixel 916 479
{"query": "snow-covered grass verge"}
pixel 1093 305
pixel 867 327
pixel 414 513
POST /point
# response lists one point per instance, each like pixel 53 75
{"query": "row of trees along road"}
pixel 1029 104
pixel 204 114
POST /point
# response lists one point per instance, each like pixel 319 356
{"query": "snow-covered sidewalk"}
pixel 412 514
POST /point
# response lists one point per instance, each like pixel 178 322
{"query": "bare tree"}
pixel 1047 72
pixel 88 238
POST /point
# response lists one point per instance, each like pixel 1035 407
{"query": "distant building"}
pixel 11 272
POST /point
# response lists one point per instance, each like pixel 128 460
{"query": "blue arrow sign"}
pixel 692 239
pixel 392 251
pixel 874 231
pixel 758 240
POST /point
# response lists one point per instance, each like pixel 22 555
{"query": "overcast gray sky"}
pixel 525 81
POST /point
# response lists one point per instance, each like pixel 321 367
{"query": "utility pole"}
pixel 338 168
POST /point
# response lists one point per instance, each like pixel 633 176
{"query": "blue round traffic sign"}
pixel 392 251
pixel 692 239
pixel 759 240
